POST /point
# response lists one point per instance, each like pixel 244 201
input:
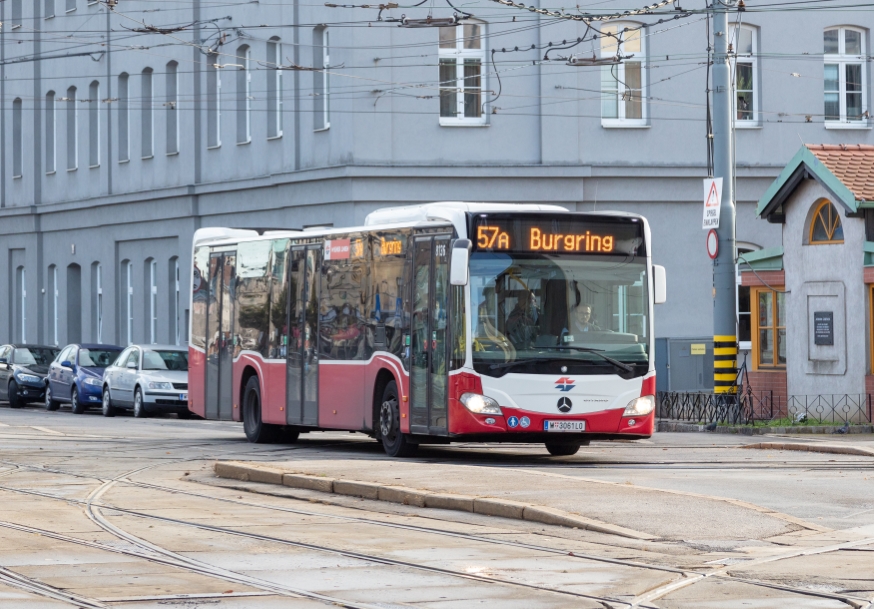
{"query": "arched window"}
pixel 94 124
pixel 274 88
pixel 51 132
pixel 147 116
pixel 244 96
pixel 123 118
pixel 172 105
pixel 825 226
pixel 17 139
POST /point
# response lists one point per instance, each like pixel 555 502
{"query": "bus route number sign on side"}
pixel 712 202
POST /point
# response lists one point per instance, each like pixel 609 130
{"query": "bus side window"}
pixel 277 347
pixel 252 294
pixel 388 291
pixel 200 296
pixel 343 298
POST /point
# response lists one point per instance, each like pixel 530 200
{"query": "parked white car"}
pixel 148 379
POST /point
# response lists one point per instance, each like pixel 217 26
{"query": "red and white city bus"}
pixel 430 324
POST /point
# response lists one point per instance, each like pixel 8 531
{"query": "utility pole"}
pixel 724 277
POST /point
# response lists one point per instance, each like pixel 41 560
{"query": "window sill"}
pixel 173 153
pixel 858 126
pixel 216 147
pixel 72 10
pixel 617 124
pixel 124 161
pixel 97 166
pixel 447 123
pixel 17 177
pixel 747 125
pixel 72 169
pixel 47 17
pixel 16 26
pixel 274 137
pixel 51 173
pixel 321 129
pixel 147 158
pixel 769 369
pixel 246 143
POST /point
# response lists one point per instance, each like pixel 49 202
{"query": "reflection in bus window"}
pixel 386 303
pixel 342 321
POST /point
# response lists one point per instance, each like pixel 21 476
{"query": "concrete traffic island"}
pixel 815 447
pixel 488 506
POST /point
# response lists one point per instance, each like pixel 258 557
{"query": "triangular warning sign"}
pixel 712 197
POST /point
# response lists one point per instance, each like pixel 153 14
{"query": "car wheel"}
pixel 139 407
pixel 395 442
pixel 14 400
pixel 563 449
pixel 51 403
pixel 108 408
pixel 257 431
pixel 76 406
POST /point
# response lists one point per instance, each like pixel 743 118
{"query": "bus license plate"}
pixel 183 397
pixel 570 426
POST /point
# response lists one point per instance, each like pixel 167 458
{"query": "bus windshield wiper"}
pixel 615 362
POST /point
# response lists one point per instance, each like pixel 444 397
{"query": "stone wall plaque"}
pixel 823 328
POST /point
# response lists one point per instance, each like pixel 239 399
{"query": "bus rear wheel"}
pixel 257 431
pixel 563 449
pixel 395 443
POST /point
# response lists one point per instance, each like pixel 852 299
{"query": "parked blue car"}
pixel 76 376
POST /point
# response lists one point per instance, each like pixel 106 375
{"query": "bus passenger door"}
pixel 302 361
pixel 220 336
pixel 429 358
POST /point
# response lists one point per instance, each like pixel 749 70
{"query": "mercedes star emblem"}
pixel 565 405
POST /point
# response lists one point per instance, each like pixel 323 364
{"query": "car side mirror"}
pixel 132 365
pixel 459 271
pixel 3 360
pixel 66 364
pixel 659 284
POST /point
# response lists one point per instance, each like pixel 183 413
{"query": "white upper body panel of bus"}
pixel 448 212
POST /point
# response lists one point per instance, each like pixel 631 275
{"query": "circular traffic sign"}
pixel 712 244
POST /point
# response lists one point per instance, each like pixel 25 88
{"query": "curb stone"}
pixel 488 506
pixel 835 449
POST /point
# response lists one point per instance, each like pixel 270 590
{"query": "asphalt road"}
pixel 126 512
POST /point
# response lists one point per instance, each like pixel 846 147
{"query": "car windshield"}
pixel 537 313
pixel 165 360
pixel 97 358
pixel 34 357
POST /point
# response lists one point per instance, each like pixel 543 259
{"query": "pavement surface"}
pixel 127 512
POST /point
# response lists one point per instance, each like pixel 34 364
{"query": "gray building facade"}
pixel 118 142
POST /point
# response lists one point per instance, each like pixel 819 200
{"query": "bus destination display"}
pixel 572 235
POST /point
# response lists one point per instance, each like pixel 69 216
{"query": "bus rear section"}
pixel 547 336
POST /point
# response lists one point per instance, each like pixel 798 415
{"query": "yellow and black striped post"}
pixel 724 364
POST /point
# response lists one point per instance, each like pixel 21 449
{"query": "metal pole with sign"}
pixel 724 275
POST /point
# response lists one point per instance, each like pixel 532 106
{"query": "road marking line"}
pixel 47 430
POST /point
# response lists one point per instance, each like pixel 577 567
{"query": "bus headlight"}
pixel 639 407
pixel 480 404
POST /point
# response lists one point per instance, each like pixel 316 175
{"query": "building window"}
pixel 123 118
pixel 623 85
pixel 176 294
pixel 98 302
pixel 274 88
pixel 71 5
pixel 746 75
pixel 17 139
pixel 129 309
pixel 51 133
pixel 49 9
pixel 22 302
pixel 148 119
pixel 213 102
pixel 53 303
pixel 153 300
pixel 769 328
pixel 244 96
pixel 322 79
pixel 172 105
pixel 825 226
pixel 72 131
pixel 94 124
pixel 16 14
pixel 844 76
pixel 461 56
pixel 744 310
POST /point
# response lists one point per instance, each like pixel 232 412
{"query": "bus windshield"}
pixel 552 313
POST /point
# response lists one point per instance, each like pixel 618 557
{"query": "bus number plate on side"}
pixel 564 426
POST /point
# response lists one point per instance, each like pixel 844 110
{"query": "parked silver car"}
pixel 148 379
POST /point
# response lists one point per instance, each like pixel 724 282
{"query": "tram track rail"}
pixel 687 576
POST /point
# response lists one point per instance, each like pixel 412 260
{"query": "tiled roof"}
pixel 852 164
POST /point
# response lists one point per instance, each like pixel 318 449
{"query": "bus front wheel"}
pixel 257 431
pixel 563 449
pixel 395 443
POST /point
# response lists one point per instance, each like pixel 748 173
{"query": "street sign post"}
pixel 712 202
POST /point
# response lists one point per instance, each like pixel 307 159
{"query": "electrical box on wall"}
pixel 684 364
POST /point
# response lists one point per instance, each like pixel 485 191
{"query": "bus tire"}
pixel 563 449
pixel 395 443
pixel 257 431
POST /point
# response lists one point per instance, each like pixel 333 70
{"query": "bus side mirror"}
pixel 459 271
pixel 659 284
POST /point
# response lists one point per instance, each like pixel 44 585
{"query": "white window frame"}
pixel 130 303
pixel 177 327
pixel 214 103
pixel 321 80
pixel 743 345
pixel 22 275
pixel 17 138
pixel 99 303
pixel 841 59
pixel 153 302
pixel 460 55
pixel 172 112
pixel 752 59
pixel 124 117
pixel 55 296
pixel 72 130
pixel 94 125
pixel 147 118
pixel 51 133
pixel 617 73
pixel 244 101
pixel 274 89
